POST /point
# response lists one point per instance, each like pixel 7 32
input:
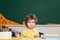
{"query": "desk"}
pixel 32 39
pixel 20 39
pixel 10 38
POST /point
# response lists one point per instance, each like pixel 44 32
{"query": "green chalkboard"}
pixel 47 11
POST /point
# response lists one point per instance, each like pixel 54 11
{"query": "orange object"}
pixel 5 21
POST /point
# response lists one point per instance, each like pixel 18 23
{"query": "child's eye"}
pixel 29 22
pixel 33 22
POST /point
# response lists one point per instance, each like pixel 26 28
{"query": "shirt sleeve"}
pixel 36 32
pixel 23 33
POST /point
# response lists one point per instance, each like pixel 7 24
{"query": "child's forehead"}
pixel 31 20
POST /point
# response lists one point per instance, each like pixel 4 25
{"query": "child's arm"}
pixel 36 33
pixel 23 33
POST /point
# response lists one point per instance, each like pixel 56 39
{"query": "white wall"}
pixel 43 28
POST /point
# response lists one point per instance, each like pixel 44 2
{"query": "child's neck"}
pixel 30 28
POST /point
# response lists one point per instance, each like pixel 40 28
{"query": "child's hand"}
pixel 37 35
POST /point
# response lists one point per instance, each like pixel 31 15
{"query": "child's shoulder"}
pixel 35 30
pixel 24 30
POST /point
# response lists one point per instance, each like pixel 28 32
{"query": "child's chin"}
pixel 31 28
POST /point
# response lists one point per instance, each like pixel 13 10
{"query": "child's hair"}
pixel 29 17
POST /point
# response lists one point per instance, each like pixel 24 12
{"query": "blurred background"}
pixel 12 13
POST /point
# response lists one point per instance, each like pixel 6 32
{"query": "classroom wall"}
pixel 50 29
pixel 47 11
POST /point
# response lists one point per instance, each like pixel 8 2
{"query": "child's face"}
pixel 31 24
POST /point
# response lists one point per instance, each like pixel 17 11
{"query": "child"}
pixel 30 31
